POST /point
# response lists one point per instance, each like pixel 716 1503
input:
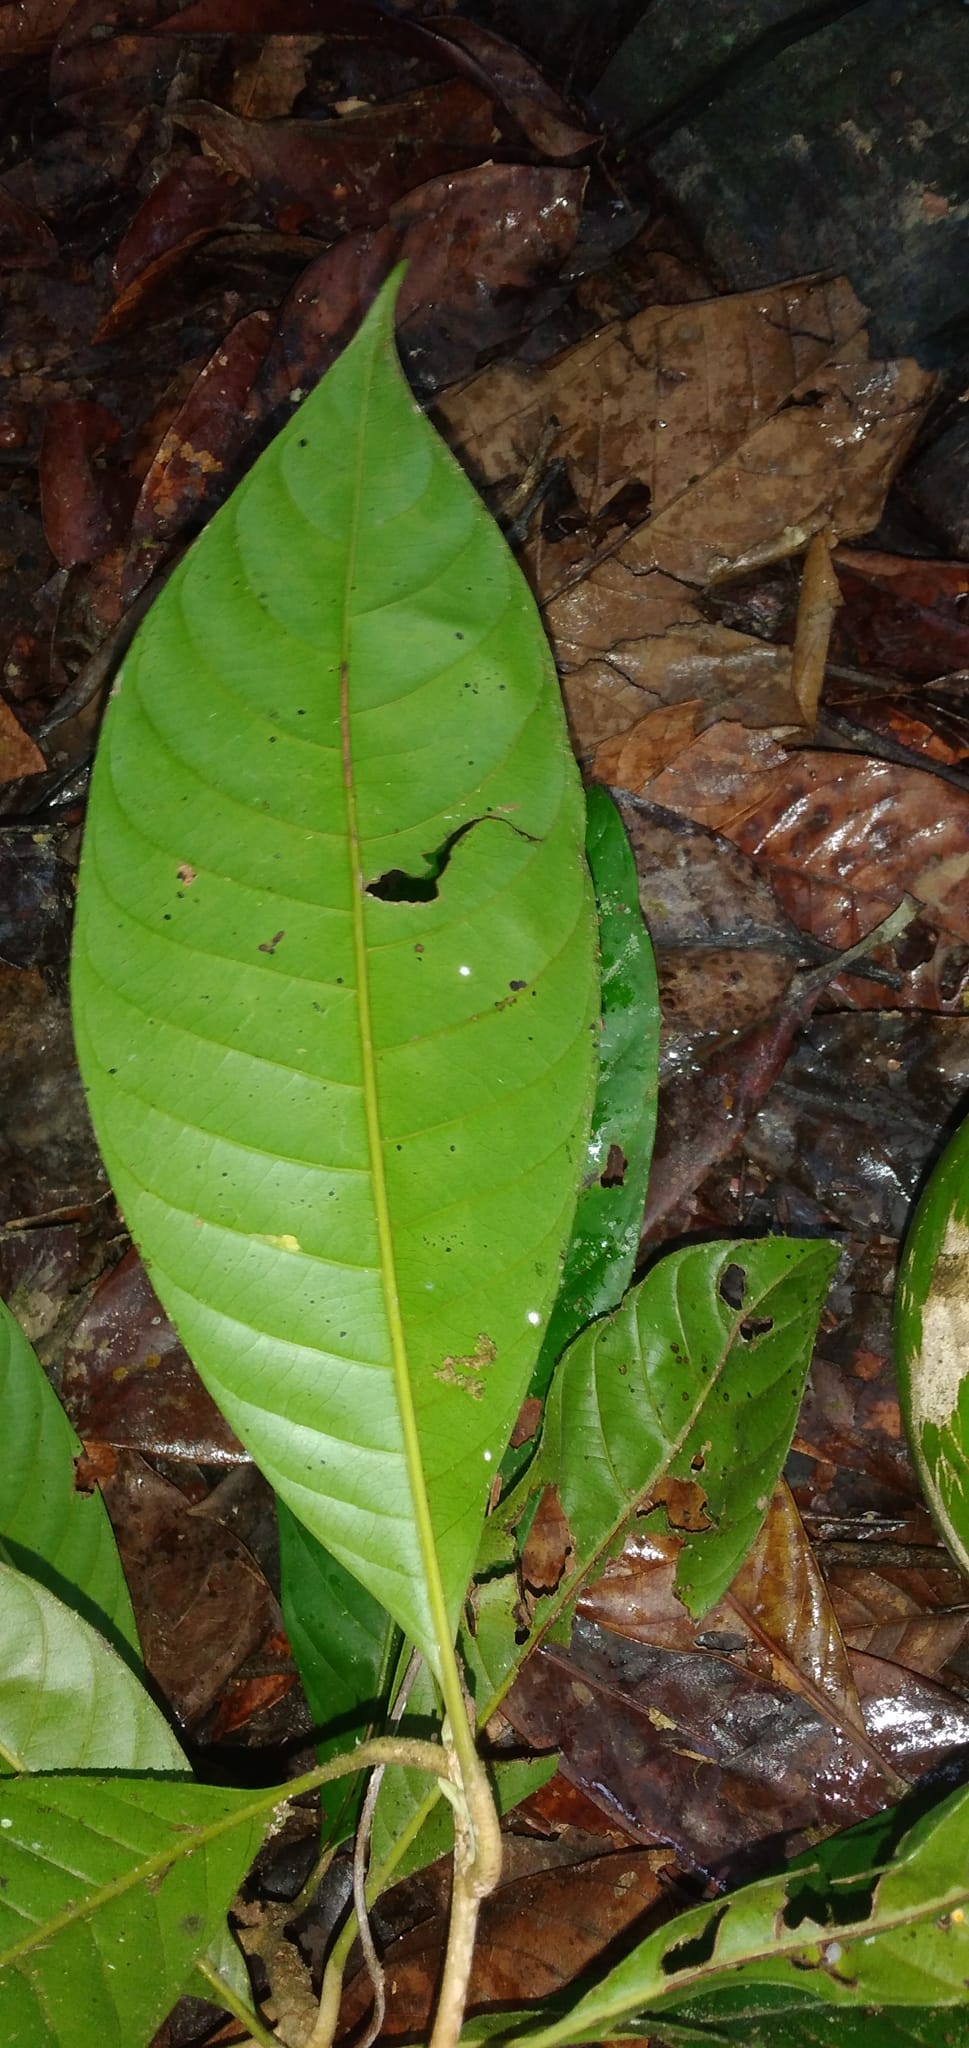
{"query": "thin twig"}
pixel 332 1987
pixel 361 1859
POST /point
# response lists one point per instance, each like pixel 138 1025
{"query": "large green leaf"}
pixel 932 1343
pixel 110 1888
pixel 47 1528
pixel 842 1929
pixel 334 979
pixel 340 1635
pixel 67 1702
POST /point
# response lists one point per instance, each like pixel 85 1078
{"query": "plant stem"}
pixel 224 1995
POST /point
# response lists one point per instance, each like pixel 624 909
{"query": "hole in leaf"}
pixel 689 1955
pixel 733 1286
pixel 614 1172
pixel 756 1326
pixel 397 886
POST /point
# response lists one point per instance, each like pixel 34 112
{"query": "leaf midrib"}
pixel 436 1649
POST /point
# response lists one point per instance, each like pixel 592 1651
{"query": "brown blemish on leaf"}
pixel 685 1503
pixel 529 1417
pixel 269 945
pixel 465 1372
pixel 185 873
pixel 548 1545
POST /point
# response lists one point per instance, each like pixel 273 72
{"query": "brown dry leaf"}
pixel 201 1602
pixel 912 1615
pixel 127 1379
pixel 535 1934
pixel 841 838
pixel 266 85
pixel 750 424
pixel 331 176
pixel 776 1616
pixel 18 754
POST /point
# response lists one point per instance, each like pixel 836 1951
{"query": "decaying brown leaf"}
pixel 750 424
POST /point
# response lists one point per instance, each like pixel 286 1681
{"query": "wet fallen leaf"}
pixel 690 1749
pixel 777 1617
pixel 201 1602
pixel 188 203
pixel 128 1381
pixel 906 616
pixel 905 1613
pixel 460 297
pixel 331 176
pixel 85 503
pixel 535 1934
pixel 195 459
pixel 513 79
pixel 461 290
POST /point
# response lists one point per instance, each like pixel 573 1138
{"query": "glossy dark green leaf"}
pixel 48 1528
pixel 334 979
pixel 932 1343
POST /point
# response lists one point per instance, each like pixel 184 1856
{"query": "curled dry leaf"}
pixel 331 176
pixel 194 461
pixel 186 204
pixel 84 506
pixel 513 79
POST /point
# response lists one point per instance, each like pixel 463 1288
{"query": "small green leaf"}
pixel 706 1359
pixel 697 1377
pixel 837 1930
pixel 47 1528
pixel 334 978
pixel 110 1888
pixel 932 1343
pixel 67 1702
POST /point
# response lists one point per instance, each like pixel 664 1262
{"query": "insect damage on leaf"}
pixel 466 1372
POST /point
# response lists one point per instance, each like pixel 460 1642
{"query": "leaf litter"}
pixel 204 207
